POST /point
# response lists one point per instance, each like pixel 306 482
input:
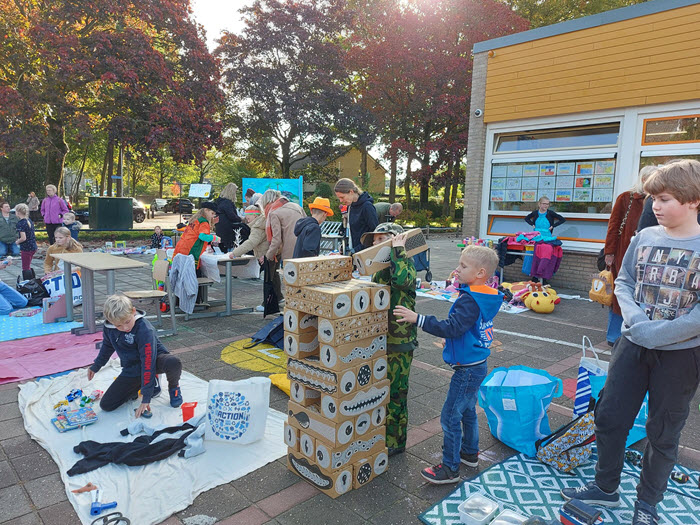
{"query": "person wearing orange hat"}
pixel 308 229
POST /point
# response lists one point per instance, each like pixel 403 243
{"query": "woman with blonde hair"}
pixel 64 244
pixel 52 209
pixel 362 216
pixel 229 221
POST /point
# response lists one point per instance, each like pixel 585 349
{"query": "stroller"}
pixel 422 263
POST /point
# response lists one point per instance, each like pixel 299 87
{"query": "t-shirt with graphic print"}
pixel 658 289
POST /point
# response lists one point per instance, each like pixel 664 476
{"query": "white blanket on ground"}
pixel 150 493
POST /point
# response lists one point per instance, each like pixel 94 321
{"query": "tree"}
pixel 139 70
pixel 414 73
pixel 541 13
pixel 285 78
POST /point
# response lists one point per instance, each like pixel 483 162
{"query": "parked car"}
pixel 82 216
pixel 139 210
pixel 159 204
pixel 179 206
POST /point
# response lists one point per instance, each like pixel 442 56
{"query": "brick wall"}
pixel 473 182
pixel 575 273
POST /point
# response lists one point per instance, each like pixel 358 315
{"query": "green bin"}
pixel 111 213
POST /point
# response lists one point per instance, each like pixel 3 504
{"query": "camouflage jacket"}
pixel 401 277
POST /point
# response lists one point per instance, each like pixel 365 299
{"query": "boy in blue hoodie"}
pixel 468 332
pixel 142 356
pixel 308 229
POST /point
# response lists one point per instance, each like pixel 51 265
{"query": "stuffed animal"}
pixel 523 291
pixel 541 302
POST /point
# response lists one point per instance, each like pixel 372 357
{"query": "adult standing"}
pixel 8 232
pixel 387 212
pixel 362 216
pixel 229 220
pixel 33 204
pixel 621 228
pixel 52 209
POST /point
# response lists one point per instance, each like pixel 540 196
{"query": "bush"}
pixel 324 190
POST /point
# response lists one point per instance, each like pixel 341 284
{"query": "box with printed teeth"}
pixel 333 484
pixel 340 357
pixel 312 270
pixel 309 419
pixel 302 345
pixel 336 458
pixel 309 373
pixel 369 399
pixel 353 328
pixel 299 322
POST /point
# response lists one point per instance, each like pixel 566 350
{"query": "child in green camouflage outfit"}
pixel 402 338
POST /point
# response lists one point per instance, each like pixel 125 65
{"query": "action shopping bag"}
pixel 515 400
pixel 587 367
pixel 237 410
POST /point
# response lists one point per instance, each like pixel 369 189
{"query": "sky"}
pixel 218 15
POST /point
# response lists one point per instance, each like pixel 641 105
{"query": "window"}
pixel 563 138
pixel 658 160
pixel 676 130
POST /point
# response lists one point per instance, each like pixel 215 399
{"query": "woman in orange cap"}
pixel 308 229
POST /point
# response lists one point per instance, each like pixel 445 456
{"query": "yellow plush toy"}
pixel 541 302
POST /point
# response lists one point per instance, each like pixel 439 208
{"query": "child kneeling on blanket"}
pixel 142 356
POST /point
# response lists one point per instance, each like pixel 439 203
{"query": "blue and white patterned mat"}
pixel 532 488
pixel 12 328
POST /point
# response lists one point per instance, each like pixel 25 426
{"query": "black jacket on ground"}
pixel 308 232
pixel 363 218
pixel 228 222
pixel 553 217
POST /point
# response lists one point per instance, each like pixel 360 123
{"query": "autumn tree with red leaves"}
pixel 138 70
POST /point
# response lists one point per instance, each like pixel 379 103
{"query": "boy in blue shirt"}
pixel 468 332
pixel 142 357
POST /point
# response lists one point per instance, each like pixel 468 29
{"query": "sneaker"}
pixel 592 495
pixel 156 389
pixel 398 450
pixel 440 475
pixel 644 514
pixel 470 460
pixel 260 308
pixel 175 397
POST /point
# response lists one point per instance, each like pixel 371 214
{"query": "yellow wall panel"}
pixel 645 60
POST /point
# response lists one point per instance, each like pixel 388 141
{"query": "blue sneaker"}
pixel 644 514
pixel 175 397
pixel 440 475
pixel 156 389
pixel 592 495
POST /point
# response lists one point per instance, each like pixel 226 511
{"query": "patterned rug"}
pixel 12 328
pixel 530 487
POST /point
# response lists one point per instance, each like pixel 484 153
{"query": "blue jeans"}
pixel 614 326
pixel 10 299
pixel 458 418
pixel 11 248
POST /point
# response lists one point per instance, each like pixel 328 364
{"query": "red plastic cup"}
pixel 188 410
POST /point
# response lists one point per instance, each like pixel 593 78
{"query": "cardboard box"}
pixel 301 345
pixel 380 368
pixel 304 395
pixel 307 445
pixel 333 484
pixel 371 421
pixel 320 310
pixel 380 297
pixel 360 401
pixel 299 322
pixel 334 433
pixel 353 328
pixel 345 298
pixel 367 469
pixel 332 459
pixel 291 437
pixel 375 258
pixel 339 384
pixel 339 357
pixel 312 270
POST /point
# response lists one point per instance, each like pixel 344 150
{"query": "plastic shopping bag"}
pixel 639 430
pixel 515 400
pixel 588 366
pixel 237 410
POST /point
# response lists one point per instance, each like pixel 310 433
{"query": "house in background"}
pixel 345 162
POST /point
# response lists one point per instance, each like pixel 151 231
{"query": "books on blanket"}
pixel 74 419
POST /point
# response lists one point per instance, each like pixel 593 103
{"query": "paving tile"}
pixel 416 435
pixel 14 503
pixel 249 516
pixel 11 428
pixel 46 491
pixel 34 466
pixel 20 446
pixel 287 498
pixel 320 509
pixel 7 474
pixel 371 499
pixel 401 512
pixel 172 520
pixel 27 519
pixel 219 502
pixel 59 514
pixel 9 411
pixel 419 413
pixel 404 471
pixel 266 481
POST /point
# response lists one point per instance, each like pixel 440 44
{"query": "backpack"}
pixel 570 446
pixel 272 333
pixel 602 288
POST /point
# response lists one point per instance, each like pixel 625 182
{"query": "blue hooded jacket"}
pixel 468 330
pixel 308 232
pixel 362 217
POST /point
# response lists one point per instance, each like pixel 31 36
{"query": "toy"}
pixel 61 407
pixel 87 488
pixel 113 518
pixel 73 419
pixel 89 400
pixel 97 507
pixel 634 457
pixel 25 312
pixel 74 394
pixel 679 477
pixel 540 302
pixel 576 512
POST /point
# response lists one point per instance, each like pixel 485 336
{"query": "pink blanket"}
pixel 44 355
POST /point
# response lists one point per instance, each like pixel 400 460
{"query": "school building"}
pixel 573 111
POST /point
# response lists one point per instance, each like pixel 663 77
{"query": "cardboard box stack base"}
pixel 335 340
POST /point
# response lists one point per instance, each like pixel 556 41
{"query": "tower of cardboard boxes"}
pixel 335 340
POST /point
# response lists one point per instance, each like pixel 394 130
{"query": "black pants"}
pixel 671 378
pixel 125 388
pixel 51 229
